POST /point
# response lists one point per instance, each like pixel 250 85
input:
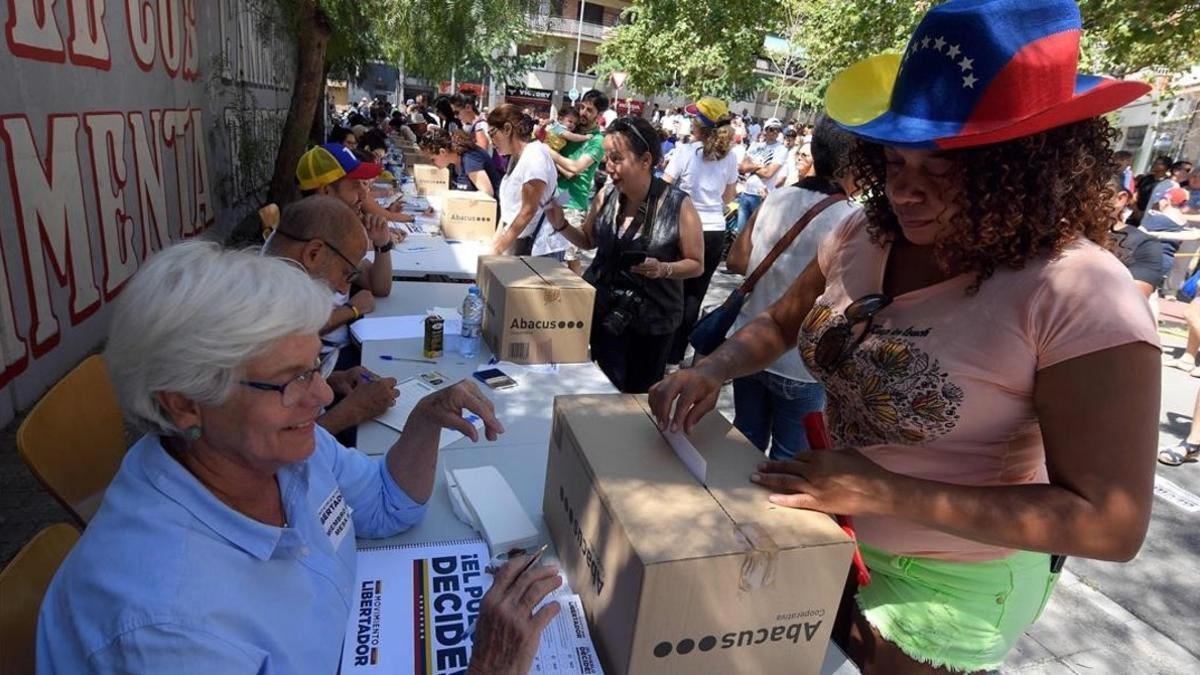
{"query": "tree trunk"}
pixel 317 133
pixel 312 38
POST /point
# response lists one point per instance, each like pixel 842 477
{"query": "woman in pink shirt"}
pixel 992 376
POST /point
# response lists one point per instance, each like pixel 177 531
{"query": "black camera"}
pixel 624 310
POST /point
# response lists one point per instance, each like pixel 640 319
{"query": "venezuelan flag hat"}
pixel 976 72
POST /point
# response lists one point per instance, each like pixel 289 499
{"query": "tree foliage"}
pixel 688 48
pixel 668 46
pixel 433 39
pixel 472 38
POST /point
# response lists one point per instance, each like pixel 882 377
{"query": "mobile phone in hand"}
pixel 630 259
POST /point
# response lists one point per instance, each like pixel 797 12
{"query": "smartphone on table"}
pixel 495 378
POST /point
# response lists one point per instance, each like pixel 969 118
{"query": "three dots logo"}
pixel 685 646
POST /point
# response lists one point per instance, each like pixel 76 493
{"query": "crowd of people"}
pixel 966 295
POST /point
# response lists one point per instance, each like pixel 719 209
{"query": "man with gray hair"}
pixel 325 237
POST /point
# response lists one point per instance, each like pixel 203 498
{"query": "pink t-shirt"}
pixel 942 388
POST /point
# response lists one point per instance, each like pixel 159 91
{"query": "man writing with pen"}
pixel 325 237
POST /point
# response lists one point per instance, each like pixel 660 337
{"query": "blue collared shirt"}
pixel 168 579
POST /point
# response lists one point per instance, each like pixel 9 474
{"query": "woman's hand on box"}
pixel 841 482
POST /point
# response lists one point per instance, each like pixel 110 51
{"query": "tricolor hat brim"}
pixel 859 99
pixel 365 171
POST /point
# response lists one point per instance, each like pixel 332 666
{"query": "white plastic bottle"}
pixel 472 322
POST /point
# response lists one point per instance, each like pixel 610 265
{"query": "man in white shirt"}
pixel 789 175
pixel 761 166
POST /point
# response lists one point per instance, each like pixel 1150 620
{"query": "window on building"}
pixel 594 14
pixel 586 61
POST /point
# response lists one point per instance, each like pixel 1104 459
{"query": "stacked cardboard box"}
pixel 535 310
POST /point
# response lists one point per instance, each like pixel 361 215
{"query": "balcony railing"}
pixel 563 26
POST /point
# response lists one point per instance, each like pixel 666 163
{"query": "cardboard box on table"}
pixel 535 310
pixel 430 180
pixel 468 216
pixel 678 576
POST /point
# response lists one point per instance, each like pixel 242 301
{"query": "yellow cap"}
pixel 709 109
pixel 318 168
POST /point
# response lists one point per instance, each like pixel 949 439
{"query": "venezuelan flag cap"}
pixel 976 72
pixel 709 110
pixel 329 163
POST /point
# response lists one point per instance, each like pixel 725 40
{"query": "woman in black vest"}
pixel 648 239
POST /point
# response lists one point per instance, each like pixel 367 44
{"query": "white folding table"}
pixel 526 412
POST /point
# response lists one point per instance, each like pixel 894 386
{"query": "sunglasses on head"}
pixel 626 125
pixel 838 342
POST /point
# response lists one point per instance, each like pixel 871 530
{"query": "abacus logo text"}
pixel 747 638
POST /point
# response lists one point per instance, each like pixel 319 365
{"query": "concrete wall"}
pixel 125 125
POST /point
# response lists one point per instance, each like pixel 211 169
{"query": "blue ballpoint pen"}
pixel 389 357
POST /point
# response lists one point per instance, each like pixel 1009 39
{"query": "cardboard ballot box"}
pixel 430 180
pixel 535 310
pixel 682 577
pixel 468 216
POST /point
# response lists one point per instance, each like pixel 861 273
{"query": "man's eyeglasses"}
pixel 292 391
pixel 838 342
pixel 352 274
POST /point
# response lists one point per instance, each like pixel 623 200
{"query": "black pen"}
pixel 536 556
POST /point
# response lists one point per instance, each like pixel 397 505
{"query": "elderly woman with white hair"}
pixel 226 541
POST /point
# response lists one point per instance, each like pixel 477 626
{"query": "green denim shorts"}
pixel 962 616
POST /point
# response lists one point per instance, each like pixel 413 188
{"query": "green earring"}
pixel 192 433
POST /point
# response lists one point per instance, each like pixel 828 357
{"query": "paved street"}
pixel 1137 618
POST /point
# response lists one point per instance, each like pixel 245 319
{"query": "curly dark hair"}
pixel 1021 199
pixel 436 138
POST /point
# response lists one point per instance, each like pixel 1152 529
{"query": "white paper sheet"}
pixel 413 228
pixel 566 647
pixel 412 391
pixel 688 454
pixel 389 327
pixel 451 316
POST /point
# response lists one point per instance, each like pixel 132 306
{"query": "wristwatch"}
pixel 352 308
pixel 386 247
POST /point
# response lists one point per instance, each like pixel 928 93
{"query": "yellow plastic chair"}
pixel 269 215
pixel 23 584
pixel 73 440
